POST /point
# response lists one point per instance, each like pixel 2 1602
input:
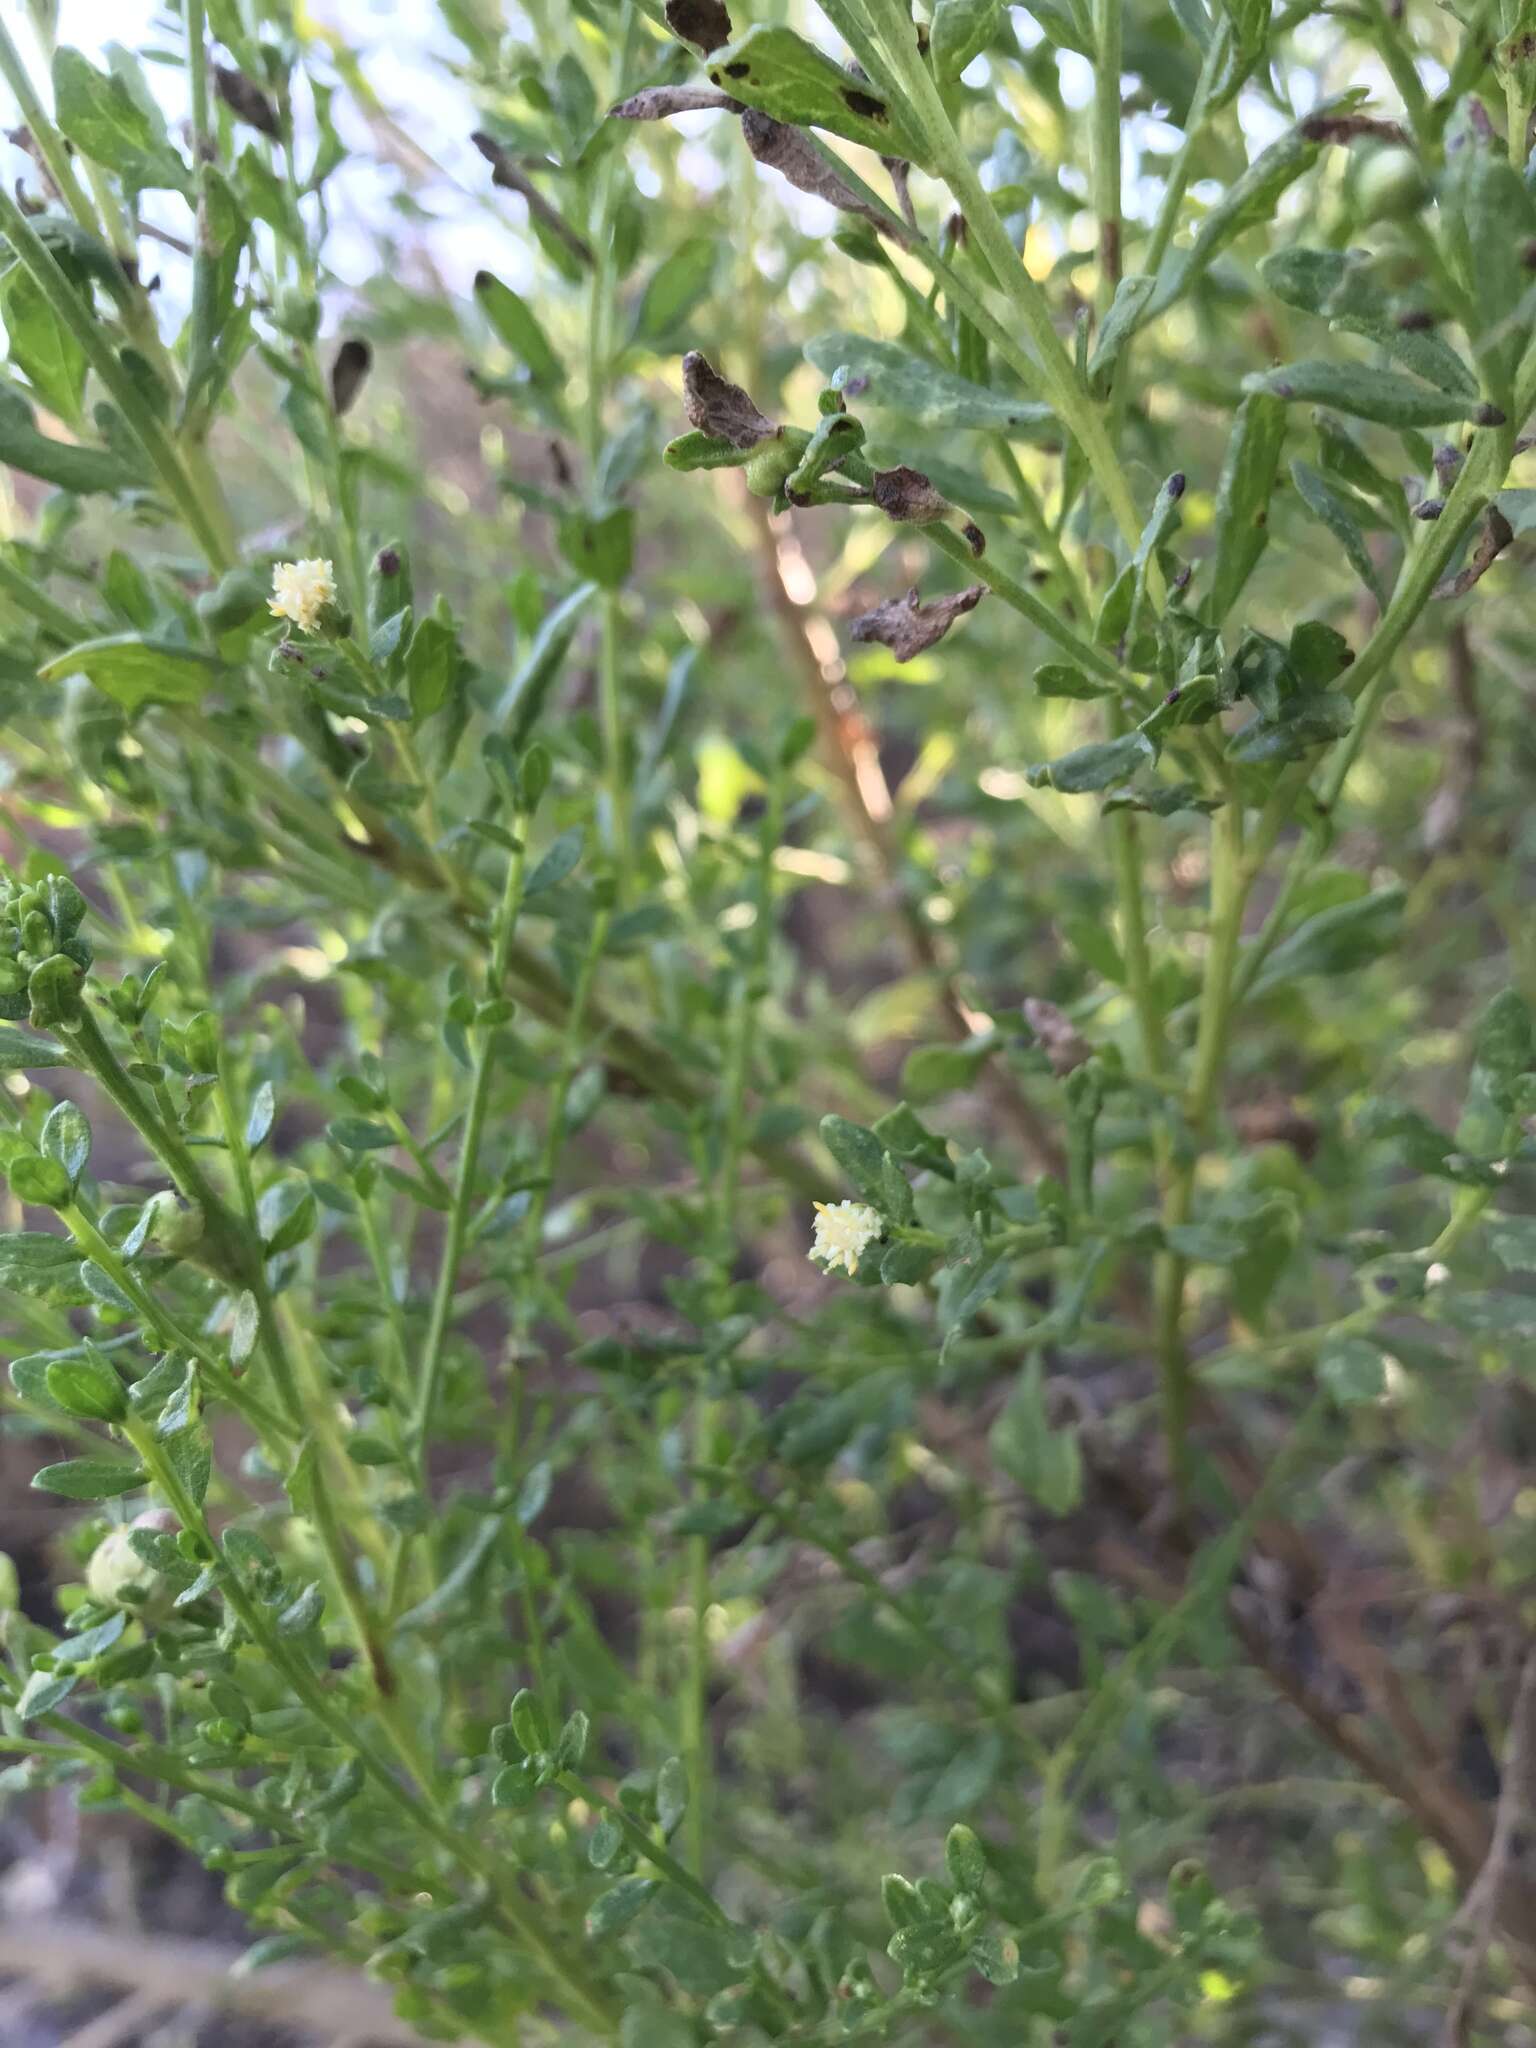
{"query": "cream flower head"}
pixel 301 591
pixel 843 1230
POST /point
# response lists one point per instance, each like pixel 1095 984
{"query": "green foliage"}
pixel 570 1486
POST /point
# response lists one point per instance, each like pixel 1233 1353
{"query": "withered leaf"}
pixel 353 361
pixel 1060 1040
pixel 1355 128
pixel 716 406
pixel 1495 537
pixel 659 102
pixel 704 23
pixel 791 152
pixel 246 101
pixel 907 626
pixel 908 495
pixel 510 176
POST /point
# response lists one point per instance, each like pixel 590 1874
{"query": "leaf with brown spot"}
pixel 791 152
pixel 906 494
pixel 349 372
pixel 660 102
pixel 704 23
pixel 1495 537
pixel 719 408
pixel 906 625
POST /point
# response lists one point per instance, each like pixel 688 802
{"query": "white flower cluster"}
pixel 301 591
pixel 843 1231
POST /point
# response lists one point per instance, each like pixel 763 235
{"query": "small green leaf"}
pixel 430 665
pixel 1380 395
pixel 671 1794
pixel 614 1909
pixel 1242 497
pixel 44 1691
pixel 59 462
pixel 675 287
pixel 133 669
pixel 1046 1462
pixel 42 347
pixel 37 1263
pixel 858 1152
pixel 600 546
pixel 1099 765
pixel 918 390
pixel 42 1183
pixel 20 1052
pixel 518 326
pixel 529 1723
pixel 1344 518
pixel 965 1859
pixel 303 1612
pixel 66 1138
pixel 87 1387
pixel 1353 1370
pixel 90 1478
pixel 561 860
pixel 102 118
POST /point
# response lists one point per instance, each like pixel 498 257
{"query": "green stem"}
pixel 1023 600
pixel 457 1230
pixel 1077 412
pixel 423 1813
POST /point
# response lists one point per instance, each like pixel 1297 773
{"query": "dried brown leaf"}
pixel 1060 1040
pixel 511 177
pixel 704 23
pixel 1495 537
pixel 246 101
pixel 906 625
pixel 659 102
pixel 349 372
pixel 906 494
pixel 716 406
pixel 791 152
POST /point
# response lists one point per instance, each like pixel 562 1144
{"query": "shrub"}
pixel 458 960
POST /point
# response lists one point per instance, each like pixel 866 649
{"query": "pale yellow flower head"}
pixel 301 591
pixel 843 1230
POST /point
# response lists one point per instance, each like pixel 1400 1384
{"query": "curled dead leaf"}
pixel 791 152
pixel 906 494
pixel 718 407
pixel 1060 1040
pixel 660 102
pixel 906 625
pixel 704 23
pixel 246 101
pixel 1495 537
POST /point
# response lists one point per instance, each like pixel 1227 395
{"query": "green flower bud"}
pixel 117 1576
pixel 53 993
pixel 1390 186
pixel 176 1229
pixel 10 1585
pixel 775 462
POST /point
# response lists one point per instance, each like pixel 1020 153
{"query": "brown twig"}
pixel 1483 1908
